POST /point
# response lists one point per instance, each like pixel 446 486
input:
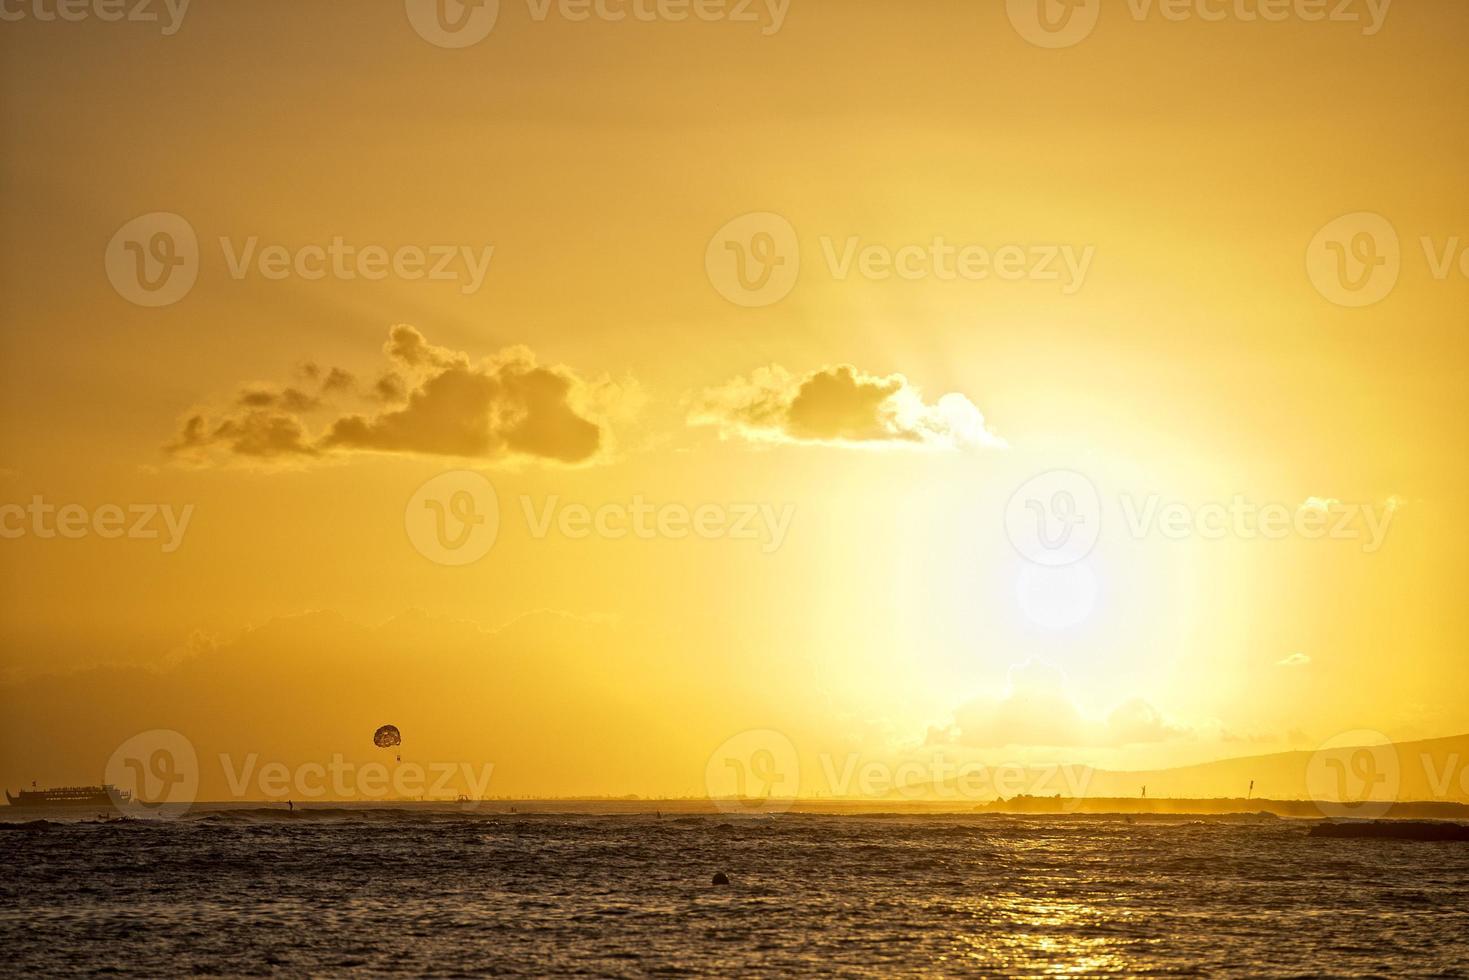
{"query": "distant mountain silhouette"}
pixel 1430 769
pixel 1425 771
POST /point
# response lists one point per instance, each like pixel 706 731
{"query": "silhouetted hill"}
pixel 1431 769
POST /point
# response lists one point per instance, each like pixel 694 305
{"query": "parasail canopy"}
pixel 387 736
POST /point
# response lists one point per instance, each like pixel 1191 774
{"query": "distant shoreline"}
pixel 1160 808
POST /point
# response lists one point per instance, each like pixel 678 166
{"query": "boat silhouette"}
pixel 104 795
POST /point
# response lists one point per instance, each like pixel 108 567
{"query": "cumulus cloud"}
pixel 839 405
pixel 328 378
pixel 1037 711
pixel 431 401
pixel 269 396
pixel 252 433
pixel 1294 660
pixel 390 389
pixel 506 405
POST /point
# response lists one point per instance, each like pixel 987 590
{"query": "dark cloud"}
pixel 491 411
pixel 289 399
pixel 256 434
pixel 390 389
pixel 407 346
pixel 508 406
pixel 338 380
pixel 839 405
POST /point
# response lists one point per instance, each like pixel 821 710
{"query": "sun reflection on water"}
pixel 1053 937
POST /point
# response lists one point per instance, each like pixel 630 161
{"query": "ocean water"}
pixel 381 891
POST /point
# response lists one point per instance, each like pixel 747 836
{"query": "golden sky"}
pixel 846 278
